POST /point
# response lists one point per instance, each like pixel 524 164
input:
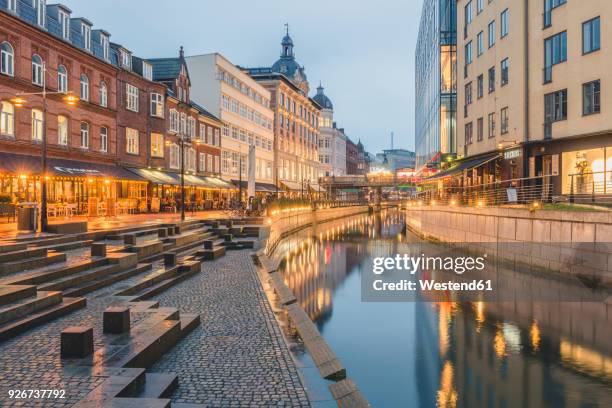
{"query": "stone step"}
pixel 147 249
pixel 159 385
pixel 188 323
pixel 121 383
pixel 178 248
pixel 186 405
pixel 186 237
pixel 22 254
pixel 14 293
pixel 12 246
pixel 239 243
pixel 51 257
pixel 106 280
pixel 137 233
pixel 347 395
pixel 66 246
pixel 180 275
pixel 133 403
pixel 36 278
pixel 78 278
pixel 15 327
pixel 61 239
pixel 22 307
pixel 149 280
pixel 211 254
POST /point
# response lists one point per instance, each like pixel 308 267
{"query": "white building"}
pixel 332 141
pixel 244 107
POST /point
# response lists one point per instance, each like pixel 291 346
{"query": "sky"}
pixel 362 51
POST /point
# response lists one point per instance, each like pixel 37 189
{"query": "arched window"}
pixel 7 119
pixel 37 70
pixel 103 94
pixel 62 130
pixel 62 79
pixel 84 87
pixel 7 54
pixel 104 139
pixel 84 135
pixel 37 125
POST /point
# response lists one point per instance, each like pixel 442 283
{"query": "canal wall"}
pixel 574 243
pixel 287 222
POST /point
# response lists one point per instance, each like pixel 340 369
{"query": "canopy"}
pixel 174 179
pixel 218 183
pixel 317 188
pixel 468 164
pixel 31 165
pixel 259 187
pixel 294 186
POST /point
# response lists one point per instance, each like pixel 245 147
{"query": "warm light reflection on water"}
pixel 445 353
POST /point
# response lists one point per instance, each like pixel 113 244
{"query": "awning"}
pixel 157 176
pixel 294 186
pixel 218 183
pixel 31 165
pixel 259 187
pixel 317 188
pixel 463 165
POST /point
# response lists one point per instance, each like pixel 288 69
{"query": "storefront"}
pixel 261 189
pixel 73 187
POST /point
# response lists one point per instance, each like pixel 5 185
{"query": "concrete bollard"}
pixel 227 237
pixel 116 319
pixel 170 259
pixel 177 230
pixel 170 231
pixel 129 239
pixel 215 224
pixel 162 233
pixel 208 245
pixel 98 249
pixel 76 342
pixel 229 223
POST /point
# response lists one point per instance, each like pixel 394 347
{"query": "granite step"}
pixel 159 385
pixel 51 257
pixel 149 280
pixel 15 293
pixel 23 307
pixel 66 246
pixel 106 280
pixel 181 274
pixel 133 403
pixel 38 277
pixel 18 326
pixel 22 254
pixel 79 278
pixel 136 233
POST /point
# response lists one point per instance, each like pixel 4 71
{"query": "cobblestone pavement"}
pixel 237 357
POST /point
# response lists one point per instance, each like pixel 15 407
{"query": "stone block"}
pixel 170 259
pixel 162 233
pixel 98 249
pixel 116 320
pixel 129 239
pixel 76 342
pixel 170 231
pixel 74 227
pixel 177 230
pixel 583 232
pixel 227 237
pixel 215 224
pixel 208 244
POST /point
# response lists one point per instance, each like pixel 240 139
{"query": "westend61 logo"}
pixel 412 264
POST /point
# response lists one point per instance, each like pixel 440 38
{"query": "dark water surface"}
pixel 445 354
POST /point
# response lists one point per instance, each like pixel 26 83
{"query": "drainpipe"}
pixel 526 87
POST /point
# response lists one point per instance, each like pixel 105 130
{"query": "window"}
pixel 469 17
pixel 157 145
pixel 103 94
pixel 202 163
pixel 468 93
pixel 174 121
pixel 62 130
pixel 7 119
pixel 479 6
pixel 549 5
pixel 217 164
pixel 555 106
pixel 479 129
pixel 37 70
pixel 7 59
pixel 480 43
pixel 157 105
pixel 504 23
pixel 591 98
pixel 64 20
pixel 492 121
pixel 62 79
pixel 86 33
pixel 174 156
pixel 591 36
pixel 147 71
pixel 480 86
pixel 183 124
pixel 131 93
pixel 468 53
pixel 131 141
pixel 468 133
pixel 84 87
pixel 217 137
pixel 37 125
pixel 191 128
pixel 492 33
pixel 126 59
pixel 555 52
pixel 104 139
pixel 491 79
pixel 210 164
pixel 84 135
pixel 504 120
pixel 105 43
pixel 505 74
pixel 11 5
pixel 40 7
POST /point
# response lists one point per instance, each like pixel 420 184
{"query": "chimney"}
pixel 181 53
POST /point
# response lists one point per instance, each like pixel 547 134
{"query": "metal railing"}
pixel 590 187
pixel 514 191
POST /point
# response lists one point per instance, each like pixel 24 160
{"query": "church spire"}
pixel 287 44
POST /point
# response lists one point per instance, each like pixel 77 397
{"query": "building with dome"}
pixel 296 123
pixel 332 141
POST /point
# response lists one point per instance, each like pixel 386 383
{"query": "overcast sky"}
pixel 363 54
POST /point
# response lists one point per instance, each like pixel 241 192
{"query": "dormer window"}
pixel 64 20
pixel 126 60
pixel 147 71
pixel 86 33
pixel 41 11
pixel 105 43
pixel 11 5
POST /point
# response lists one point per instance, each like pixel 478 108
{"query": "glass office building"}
pixel 436 84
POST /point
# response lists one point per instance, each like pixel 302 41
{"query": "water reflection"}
pixel 445 354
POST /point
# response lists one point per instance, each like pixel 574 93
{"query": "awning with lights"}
pixel 294 186
pixel 259 187
pixel 317 188
pixel 19 164
pixel 174 179
pixel 458 168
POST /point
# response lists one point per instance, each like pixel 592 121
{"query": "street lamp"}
pixel 19 101
pixel 183 139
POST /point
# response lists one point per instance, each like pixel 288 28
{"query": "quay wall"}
pixel 574 243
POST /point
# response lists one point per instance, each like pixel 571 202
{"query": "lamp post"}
pixel 240 176
pixel 18 101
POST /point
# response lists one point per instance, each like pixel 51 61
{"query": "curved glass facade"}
pixel 436 83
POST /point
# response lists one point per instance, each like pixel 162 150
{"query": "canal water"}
pixel 445 353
